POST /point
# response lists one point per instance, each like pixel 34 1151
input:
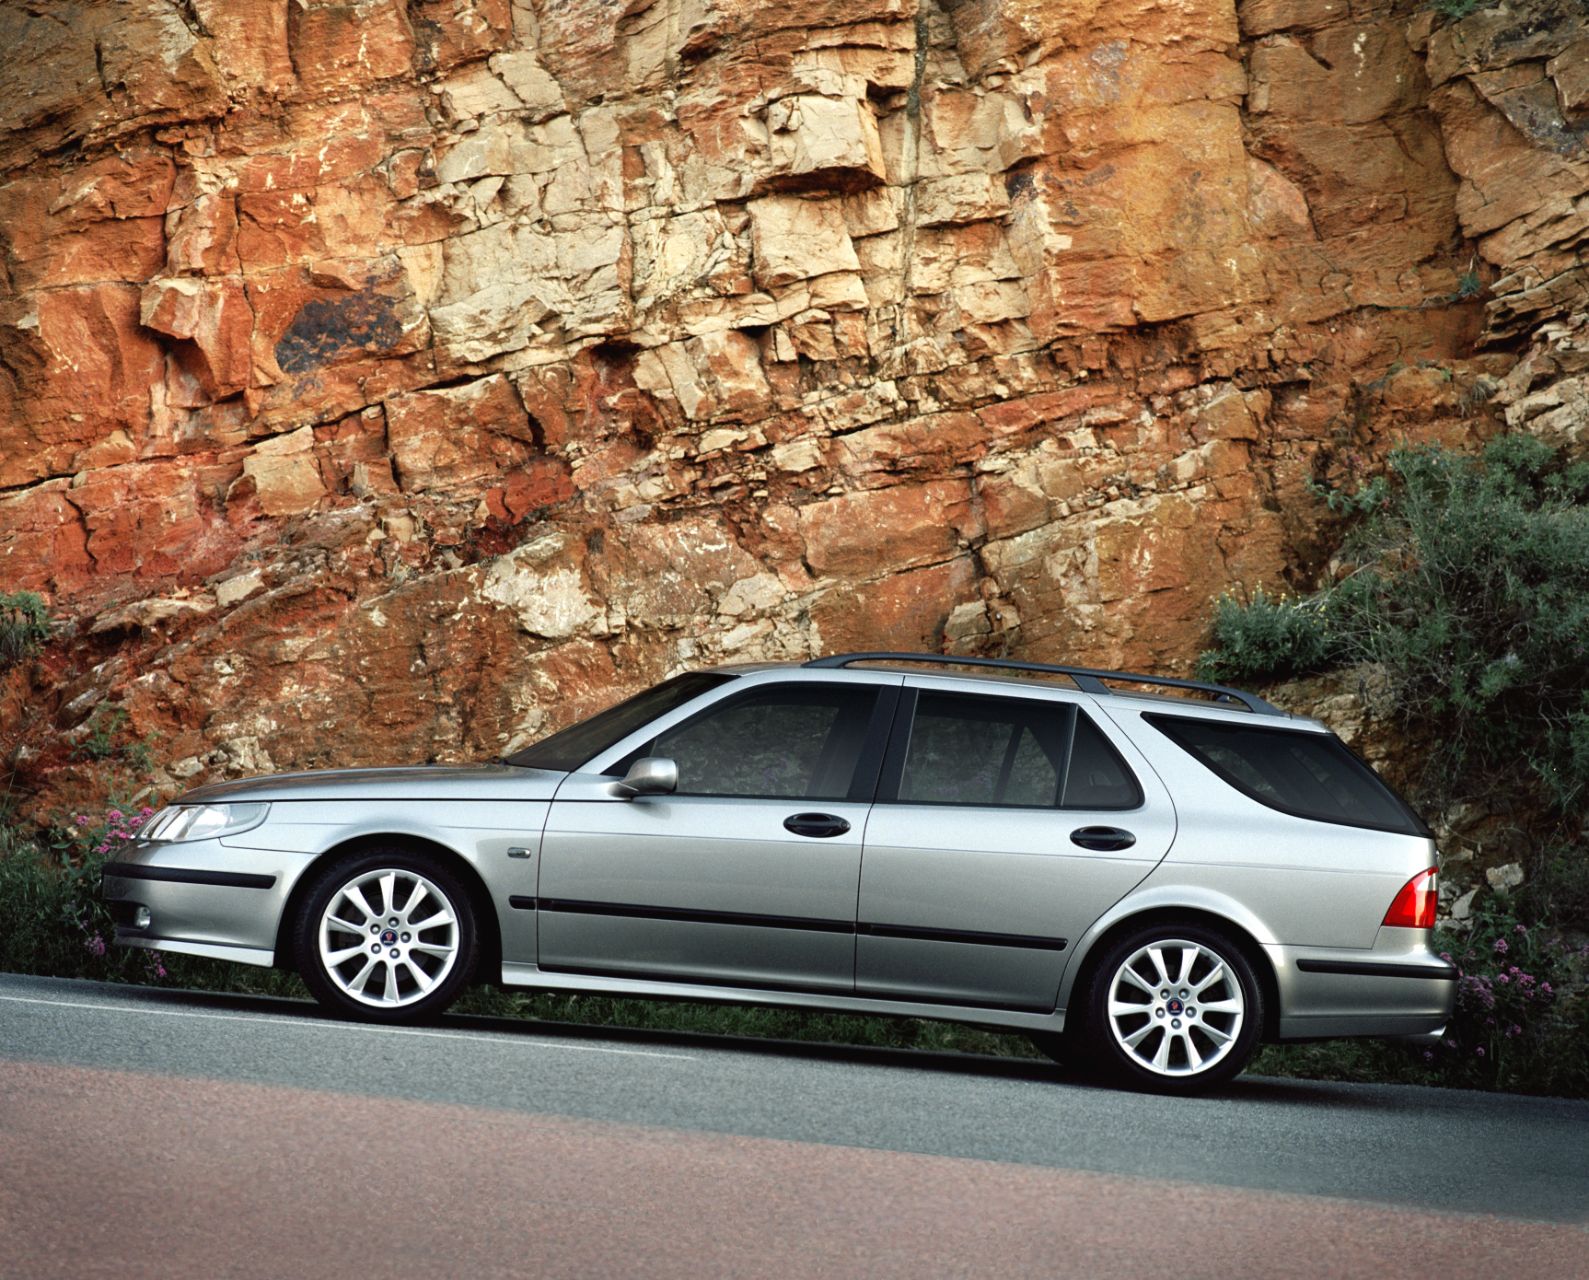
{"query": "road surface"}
pixel 172 1134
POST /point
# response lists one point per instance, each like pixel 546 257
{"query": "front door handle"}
pixel 817 825
pixel 1103 839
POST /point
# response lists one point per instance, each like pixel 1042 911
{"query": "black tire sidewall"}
pixel 1113 1063
pixel 306 942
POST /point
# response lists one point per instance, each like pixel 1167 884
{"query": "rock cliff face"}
pixel 385 380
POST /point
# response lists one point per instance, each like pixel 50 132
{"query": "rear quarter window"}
pixel 1309 775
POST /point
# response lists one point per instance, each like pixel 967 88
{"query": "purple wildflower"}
pixel 1479 1052
pixel 95 945
pixel 1500 947
pixel 82 819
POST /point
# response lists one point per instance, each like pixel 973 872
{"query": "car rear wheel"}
pixel 1173 1008
pixel 386 936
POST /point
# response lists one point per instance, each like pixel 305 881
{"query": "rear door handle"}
pixel 1104 839
pixel 817 825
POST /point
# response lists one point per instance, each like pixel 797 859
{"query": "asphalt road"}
pixel 173 1134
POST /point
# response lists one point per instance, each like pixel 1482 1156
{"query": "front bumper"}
pixel 1398 988
pixel 203 898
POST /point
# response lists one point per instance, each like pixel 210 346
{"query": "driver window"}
pixel 790 743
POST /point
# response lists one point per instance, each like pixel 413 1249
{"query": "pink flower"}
pixel 82 819
pixel 95 945
pixel 145 812
pixel 1502 979
pixel 1522 928
pixel 1515 1030
pixel 1479 1052
pixel 1500 947
pixel 102 848
pixel 114 815
pixel 1545 989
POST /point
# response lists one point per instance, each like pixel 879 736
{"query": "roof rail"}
pixel 1088 679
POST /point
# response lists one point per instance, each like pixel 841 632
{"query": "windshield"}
pixel 569 748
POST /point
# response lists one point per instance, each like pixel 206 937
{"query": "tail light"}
pixel 1414 906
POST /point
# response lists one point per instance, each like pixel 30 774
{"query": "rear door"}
pixel 1005 825
pixel 748 873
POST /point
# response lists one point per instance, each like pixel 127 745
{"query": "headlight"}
pixel 202 821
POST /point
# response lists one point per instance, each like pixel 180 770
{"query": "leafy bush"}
pixel 1473 594
pixel 52 920
pixel 24 626
pixel 1268 637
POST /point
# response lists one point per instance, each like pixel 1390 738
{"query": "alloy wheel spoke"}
pixel 1216 974
pixel 1137 1037
pixel 390 995
pixel 1220 1038
pixel 441 917
pixel 1188 959
pixel 1192 1055
pixel 335 958
pixel 1220 1006
pixel 1124 1009
pixel 422 979
pixel 1137 980
pixel 432 949
pixel 1156 954
pixel 356 896
pixel 414 899
pixel 360 978
pixel 332 922
pixel 1162 1057
pixel 389 893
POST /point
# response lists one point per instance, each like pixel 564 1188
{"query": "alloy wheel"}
pixel 1175 1007
pixel 388 937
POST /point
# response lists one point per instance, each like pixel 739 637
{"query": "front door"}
pixel 1005 825
pixel 748 873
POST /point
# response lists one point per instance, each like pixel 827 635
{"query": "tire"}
pixel 357 963
pixel 1178 1043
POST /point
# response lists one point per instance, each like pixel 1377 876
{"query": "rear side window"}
pixel 1310 775
pixel 1010 752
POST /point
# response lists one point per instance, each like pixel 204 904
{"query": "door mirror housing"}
pixel 648 776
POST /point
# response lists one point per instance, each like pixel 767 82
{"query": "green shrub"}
pixel 104 738
pixel 24 626
pixel 1267 637
pixel 1474 596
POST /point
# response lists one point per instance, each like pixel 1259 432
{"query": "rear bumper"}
pixel 1394 989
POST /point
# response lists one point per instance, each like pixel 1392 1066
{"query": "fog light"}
pixel 141 919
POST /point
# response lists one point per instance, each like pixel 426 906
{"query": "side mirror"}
pixel 648 776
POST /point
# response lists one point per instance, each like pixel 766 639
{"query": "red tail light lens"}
pixel 1414 907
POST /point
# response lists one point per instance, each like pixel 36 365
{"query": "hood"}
pixel 413 782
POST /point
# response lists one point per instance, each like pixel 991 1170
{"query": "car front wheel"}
pixel 386 937
pixel 1173 1009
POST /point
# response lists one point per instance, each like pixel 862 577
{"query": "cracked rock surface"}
pixel 397 381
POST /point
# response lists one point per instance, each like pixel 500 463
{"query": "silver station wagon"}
pixel 1151 884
